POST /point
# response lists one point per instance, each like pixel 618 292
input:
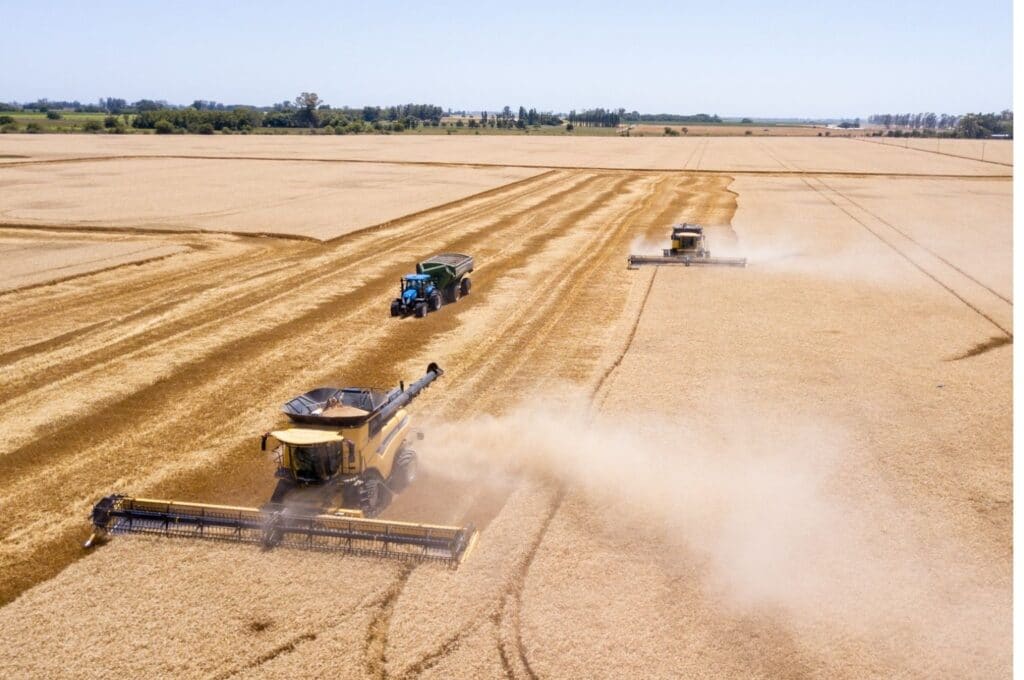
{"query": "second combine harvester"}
pixel 688 248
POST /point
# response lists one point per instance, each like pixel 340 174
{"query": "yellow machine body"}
pixel 357 449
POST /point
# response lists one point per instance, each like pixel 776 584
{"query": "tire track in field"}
pixel 906 255
pixel 917 243
pixel 900 251
pixel 511 618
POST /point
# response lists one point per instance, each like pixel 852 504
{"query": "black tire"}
pixel 374 496
pixel 434 301
pixel 451 293
pixel 396 308
pixel 421 310
pixel 464 286
pixel 404 472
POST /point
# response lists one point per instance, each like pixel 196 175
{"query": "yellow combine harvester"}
pixel 688 248
pixel 340 462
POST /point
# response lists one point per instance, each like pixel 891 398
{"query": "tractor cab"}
pixel 415 282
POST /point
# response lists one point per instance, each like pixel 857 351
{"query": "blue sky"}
pixel 731 58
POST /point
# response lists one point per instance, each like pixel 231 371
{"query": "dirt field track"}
pixel 797 469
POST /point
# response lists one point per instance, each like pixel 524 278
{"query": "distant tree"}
pixel 6 120
pixel 569 127
pixel 92 126
pixel 53 115
pixel 149 105
pixel 685 130
pixel 163 127
pixel 111 121
pixel 746 121
pixel 33 128
pixel 205 129
pixel 307 105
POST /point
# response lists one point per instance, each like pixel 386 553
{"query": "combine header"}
pixel 688 249
pixel 339 465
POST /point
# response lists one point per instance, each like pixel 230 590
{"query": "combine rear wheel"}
pixel 404 472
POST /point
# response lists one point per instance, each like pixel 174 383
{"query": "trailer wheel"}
pixel 451 293
pixel 464 286
pixel 396 308
pixel 404 472
pixel 434 301
pixel 421 310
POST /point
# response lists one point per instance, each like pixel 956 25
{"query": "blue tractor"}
pixel 419 294
pixel 437 281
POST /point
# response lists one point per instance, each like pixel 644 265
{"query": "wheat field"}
pixel 801 468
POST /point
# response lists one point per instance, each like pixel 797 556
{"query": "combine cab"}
pixel 339 463
pixel 688 247
pixel 438 281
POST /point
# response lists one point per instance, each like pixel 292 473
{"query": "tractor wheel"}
pixel 404 472
pixel 396 308
pixel 373 495
pixel 464 286
pixel 434 301
pixel 421 310
pixel 451 293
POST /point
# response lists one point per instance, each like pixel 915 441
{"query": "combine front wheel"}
pixel 373 495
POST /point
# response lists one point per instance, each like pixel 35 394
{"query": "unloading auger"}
pixel 339 463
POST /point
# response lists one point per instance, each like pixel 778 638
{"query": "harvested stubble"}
pixel 176 609
pixel 807 369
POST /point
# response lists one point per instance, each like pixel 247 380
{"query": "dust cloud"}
pixel 764 505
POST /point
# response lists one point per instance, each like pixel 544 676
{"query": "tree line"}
pixel 968 125
pixel 637 117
